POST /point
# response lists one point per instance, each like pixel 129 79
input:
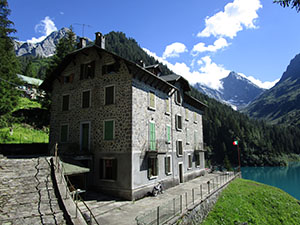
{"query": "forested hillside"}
pixel 260 143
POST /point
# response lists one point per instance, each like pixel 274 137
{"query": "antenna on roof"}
pixel 83 26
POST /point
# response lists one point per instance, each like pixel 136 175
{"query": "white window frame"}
pixel 189 167
pixel 176 122
pixel 80 140
pixel 177 148
pixel 149 100
pixel 176 97
pixel 114 97
pixel 114 129
pixel 90 99
pixel 62 103
pixel 170 165
pixel 68 130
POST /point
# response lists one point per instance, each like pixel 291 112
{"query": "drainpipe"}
pixel 172 138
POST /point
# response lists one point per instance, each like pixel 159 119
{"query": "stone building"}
pixel 131 126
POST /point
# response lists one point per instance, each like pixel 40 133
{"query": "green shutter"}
pixel 109 130
pixel 152 136
pixel 167 106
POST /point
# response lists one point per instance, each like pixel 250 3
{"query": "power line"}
pixel 9 82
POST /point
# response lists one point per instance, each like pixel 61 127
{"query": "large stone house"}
pixel 129 124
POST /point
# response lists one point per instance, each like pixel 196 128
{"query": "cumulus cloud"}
pixel 45 27
pixel 236 15
pixel 173 50
pixel 218 44
pixel 265 85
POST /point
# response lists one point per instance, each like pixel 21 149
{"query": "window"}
pixel 178 122
pixel 65 102
pixel 86 99
pixel 66 79
pixel 190 161
pixel 168 134
pixel 64 133
pixel 178 98
pixel 108 169
pixel 85 136
pixel 109 130
pixel 186 114
pixel 197 159
pixel 109 94
pixel 87 70
pixel 152 138
pixel 167 101
pixel 179 147
pixel 168 165
pixel 151 100
pixel 187 133
pixel 112 68
pixel 195 117
pixel 152 167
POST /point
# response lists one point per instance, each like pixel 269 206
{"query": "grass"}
pixel 23 133
pixel 249 202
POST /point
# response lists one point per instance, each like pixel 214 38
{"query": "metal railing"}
pixel 177 206
pixel 75 194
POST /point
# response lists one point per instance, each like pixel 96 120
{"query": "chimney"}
pixel 82 42
pixel 100 40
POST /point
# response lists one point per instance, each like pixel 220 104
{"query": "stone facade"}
pixel 120 164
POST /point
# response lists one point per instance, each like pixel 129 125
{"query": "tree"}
pixel 9 67
pixel 289 3
pixel 64 47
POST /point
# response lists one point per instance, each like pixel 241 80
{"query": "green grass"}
pixel 249 202
pixel 23 133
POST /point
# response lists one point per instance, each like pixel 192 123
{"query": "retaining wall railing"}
pixel 177 206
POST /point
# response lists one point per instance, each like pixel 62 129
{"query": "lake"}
pixel 285 178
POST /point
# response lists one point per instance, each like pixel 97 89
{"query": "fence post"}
pixel 174 206
pixel 181 203
pixel 208 186
pixel 193 193
pixel 201 190
pixel 186 200
pixel 157 215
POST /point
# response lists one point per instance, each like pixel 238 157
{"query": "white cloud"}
pixel 236 15
pixel 218 44
pixel 265 85
pixel 45 27
pixel 173 50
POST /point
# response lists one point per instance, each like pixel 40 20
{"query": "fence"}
pixel 74 194
pixel 178 205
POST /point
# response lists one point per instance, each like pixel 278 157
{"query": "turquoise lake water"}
pixel 285 178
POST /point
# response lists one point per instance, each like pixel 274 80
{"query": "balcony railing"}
pixel 161 147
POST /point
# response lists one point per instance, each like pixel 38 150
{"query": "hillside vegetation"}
pixel 249 202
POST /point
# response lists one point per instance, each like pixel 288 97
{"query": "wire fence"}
pixel 180 204
pixel 23 139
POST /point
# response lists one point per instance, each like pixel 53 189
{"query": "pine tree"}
pixel 9 66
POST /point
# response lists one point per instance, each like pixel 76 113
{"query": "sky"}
pixel 200 40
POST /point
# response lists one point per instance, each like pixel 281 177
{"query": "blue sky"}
pixel 200 40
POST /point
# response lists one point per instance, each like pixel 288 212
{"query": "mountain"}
pixel 237 91
pixel 42 49
pixel 280 104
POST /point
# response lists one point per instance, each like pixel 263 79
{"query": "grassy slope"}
pixel 24 133
pixel 249 202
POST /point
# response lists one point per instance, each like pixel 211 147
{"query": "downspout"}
pixel 173 155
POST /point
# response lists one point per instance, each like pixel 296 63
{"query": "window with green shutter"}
pixel 152 138
pixel 151 100
pixel 168 134
pixel 109 130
